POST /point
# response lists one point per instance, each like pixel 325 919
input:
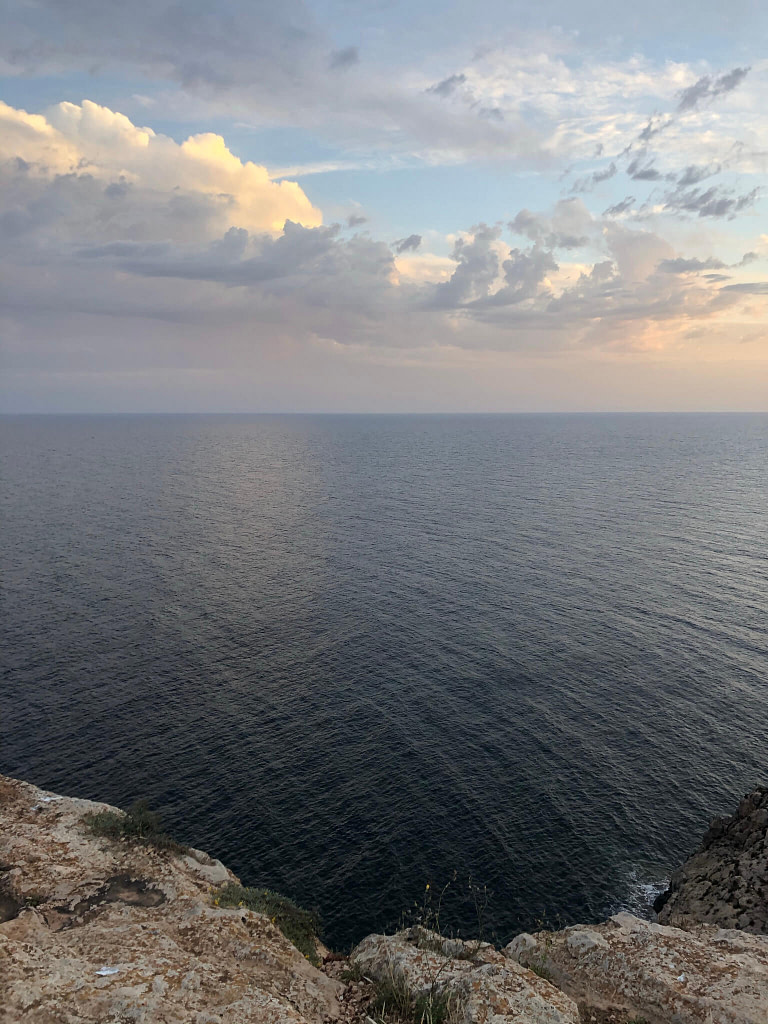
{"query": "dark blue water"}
pixel 350 655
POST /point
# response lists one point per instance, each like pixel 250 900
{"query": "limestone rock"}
pixel 482 986
pixel 726 881
pixel 101 930
pixel 653 972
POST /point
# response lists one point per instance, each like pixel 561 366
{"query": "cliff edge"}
pixel 725 882
pixel 102 923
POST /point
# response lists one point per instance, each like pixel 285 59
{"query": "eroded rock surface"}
pixel 654 972
pixel 479 983
pixel 108 931
pixel 726 881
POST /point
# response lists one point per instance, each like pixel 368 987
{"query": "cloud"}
pixel 679 265
pixel 477 268
pixel 748 288
pixel 409 244
pixel 618 208
pixel 113 233
pixel 448 85
pixel 710 86
pixel 656 125
pixel 710 202
pixel 642 169
pixel 588 182
pixel 693 174
pixel 143 183
pixel 568 227
pixel 340 60
pixel 354 220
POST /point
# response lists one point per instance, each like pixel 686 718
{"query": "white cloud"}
pixel 137 169
pixel 122 250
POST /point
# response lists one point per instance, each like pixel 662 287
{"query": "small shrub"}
pixel 394 1003
pixel 540 967
pixel 434 1008
pixel 299 926
pixel 354 972
pixel 138 824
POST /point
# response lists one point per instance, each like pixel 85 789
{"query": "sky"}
pixel 351 206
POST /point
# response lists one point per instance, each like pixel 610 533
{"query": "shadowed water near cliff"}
pixel 350 655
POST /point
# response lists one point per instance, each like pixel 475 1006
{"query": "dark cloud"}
pixel 117 190
pixel 354 220
pixel 567 228
pixel 340 60
pixel 748 288
pixel 448 85
pixel 588 182
pixel 409 244
pixel 748 257
pixel 241 259
pixel 693 174
pixel 656 124
pixel 710 86
pixel 711 202
pixel 622 207
pixel 642 169
pixel 690 266
pixel 524 272
pixel 477 267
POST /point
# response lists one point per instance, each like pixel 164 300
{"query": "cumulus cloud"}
pixel 568 226
pixel 144 183
pixel 112 232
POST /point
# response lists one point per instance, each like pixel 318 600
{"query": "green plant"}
pixel 353 972
pixel 299 926
pixel 539 967
pixel 138 824
pixel 394 1003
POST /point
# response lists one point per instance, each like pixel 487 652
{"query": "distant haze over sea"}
pixel 352 655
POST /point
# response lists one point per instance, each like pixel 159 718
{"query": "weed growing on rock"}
pixel 394 1003
pixel 299 926
pixel 539 967
pixel 426 913
pixel 138 824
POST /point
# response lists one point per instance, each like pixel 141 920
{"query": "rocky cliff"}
pixel 101 923
pixel 725 882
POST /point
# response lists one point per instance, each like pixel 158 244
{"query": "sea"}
pixel 365 658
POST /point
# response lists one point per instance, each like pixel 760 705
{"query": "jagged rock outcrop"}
pixel 725 882
pixel 477 983
pixel 655 973
pixel 99 930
